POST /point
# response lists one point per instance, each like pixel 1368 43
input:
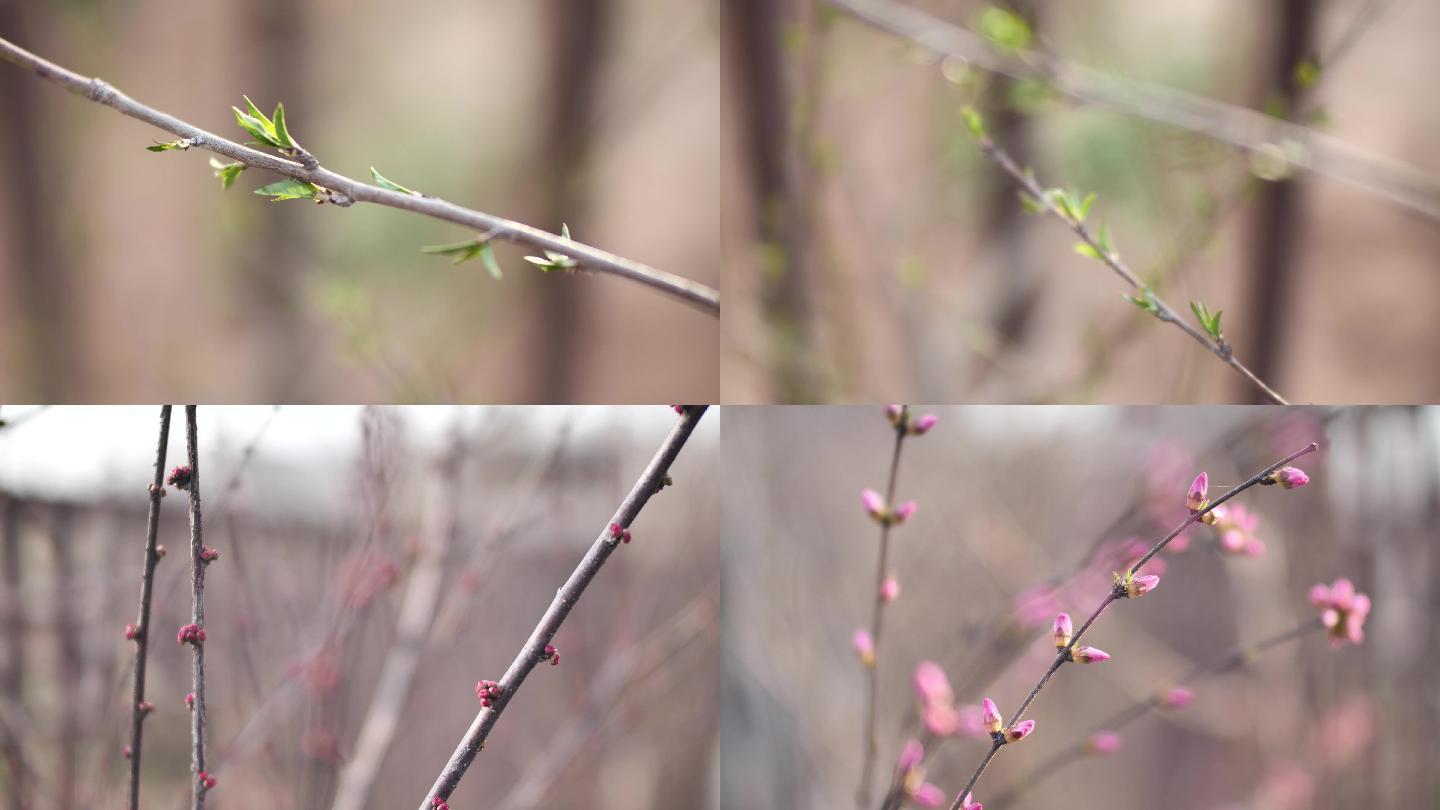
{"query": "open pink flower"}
pixel 1343 611
pixel 1237 533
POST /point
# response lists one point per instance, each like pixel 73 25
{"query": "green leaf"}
pixel 1004 28
pixel 166 146
pixel 1209 320
pixel 1102 238
pixel 255 111
pixel 1030 204
pixel 564 230
pixel 289 189
pixel 462 251
pixel 973 121
pixel 257 130
pixel 1145 300
pixel 384 183
pixel 227 172
pixel 282 135
pixel 1085 205
pixel 1307 73
pixel 1086 249
pixel 487 258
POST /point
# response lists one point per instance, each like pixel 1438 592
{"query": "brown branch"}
pixel 141 633
pixel 197 618
pixel 344 191
pixel 566 597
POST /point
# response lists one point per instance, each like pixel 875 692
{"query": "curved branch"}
pixel 566 596
pixel 344 191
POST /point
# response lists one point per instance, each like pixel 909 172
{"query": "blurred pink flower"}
pixel 1343 611
pixel 904 511
pixel 890 589
pixel 1176 698
pixel 873 503
pixel 968 803
pixel 1034 606
pixel 1347 730
pixel 1237 533
pixel 1105 742
pixel 923 425
pixel 864 646
pixel 931 683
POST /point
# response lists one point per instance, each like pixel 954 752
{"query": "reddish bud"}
pixel 145 707
pixel 864 647
pixel 190 701
pixel 206 780
pixel 991 717
pixel 904 511
pixel 160 552
pixel 1104 742
pixel 1064 630
pixel 1088 655
pixel 1019 731
pixel 131 631
pixel 191 634
pixel 208 554
pixel 180 477
pixel 923 425
pixel 126 751
pixel 889 589
pixel 1177 698
pixel 1196 498
pixel 439 804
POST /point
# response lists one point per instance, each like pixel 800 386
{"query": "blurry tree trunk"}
pixel 274 272
pixel 1278 224
pixel 67 639
pixel 577 55
pixel 34 183
pixel 12 663
pixel 768 120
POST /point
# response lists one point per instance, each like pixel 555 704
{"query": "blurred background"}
pixel 1024 512
pixel 128 276
pixel 328 521
pixel 871 248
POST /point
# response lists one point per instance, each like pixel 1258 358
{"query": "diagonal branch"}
pixel 568 594
pixel 1101 250
pixel 1244 128
pixel 141 633
pixel 344 191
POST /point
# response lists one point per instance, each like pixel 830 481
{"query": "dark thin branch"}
pixel 1140 708
pixel 344 191
pixel 1118 592
pixel 566 597
pixel 1163 311
pixel 197 617
pixel 871 745
pixel 142 623
pixel 1244 128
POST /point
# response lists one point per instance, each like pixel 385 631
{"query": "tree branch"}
pixel 1238 126
pixel 648 484
pixel 344 191
pixel 1162 310
pixel 197 618
pixel 141 633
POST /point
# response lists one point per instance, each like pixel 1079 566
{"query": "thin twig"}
pixel 871 744
pixel 1162 310
pixel 1238 126
pixel 566 597
pixel 1140 708
pixel 344 191
pixel 1118 592
pixel 197 616
pixel 142 623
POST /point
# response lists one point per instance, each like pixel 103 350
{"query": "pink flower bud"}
pixel 893 414
pixel 206 780
pixel 904 511
pixel 439 804
pixel 940 718
pixel 191 634
pixel 1064 630
pixel 928 795
pixel 1195 499
pixel 931 683
pixel 874 504
pixel 131 631
pixel 1089 655
pixel 993 721
pixel 1105 742
pixel 160 550
pixel 146 707
pixel 208 554
pixel 126 751
pixel 1290 477
pixel 190 701
pixel 911 754
pixel 969 804
pixel 1019 731
pixel 1141 585
pixel 923 425
pixel 890 589
pixel 180 477
pixel 864 646
pixel 1177 698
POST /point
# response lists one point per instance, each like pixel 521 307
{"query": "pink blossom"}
pixel 893 414
pixel 1343 611
pixel 1064 630
pixel 1141 585
pixel 940 718
pixel 873 503
pixel 1177 698
pixel 1105 742
pixel 993 721
pixel 972 720
pixel 1019 731
pixel 911 754
pixel 1197 497
pixel 969 804
pixel 1290 477
pixel 904 511
pixel 1035 606
pixel 864 646
pixel 931 683
pixel 1089 655
pixel 928 795
pixel 890 589
pixel 923 425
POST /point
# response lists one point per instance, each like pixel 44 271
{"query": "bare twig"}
pixel 871 745
pixel 417 612
pixel 197 617
pixel 1238 126
pixel 1161 310
pixel 141 633
pixel 1140 708
pixel 12 663
pixel 1117 592
pixel 568 594
pixel 344 191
